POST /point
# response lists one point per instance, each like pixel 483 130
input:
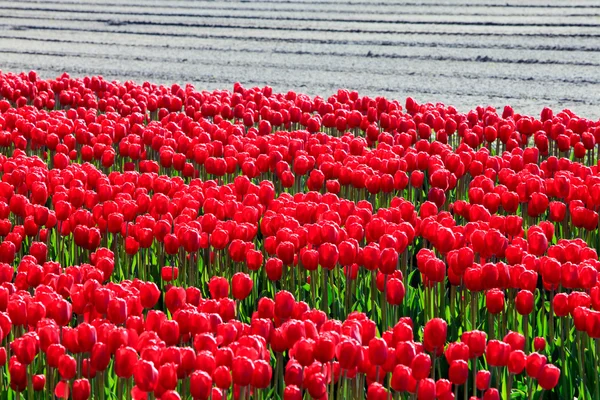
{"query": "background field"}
pixel 525 53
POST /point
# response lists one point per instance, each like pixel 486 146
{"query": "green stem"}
pixel 384 305
pixel 525 332
pixel 433 364
pixel 373 295
pixel 119 388
pixel 474 377
pixel 30 382
pixel 325 290
pixel 552 316
pixel 473 309
pixel 580 362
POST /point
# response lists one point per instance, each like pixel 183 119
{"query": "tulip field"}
pixel 164 242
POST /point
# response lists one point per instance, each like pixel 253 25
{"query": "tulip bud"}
pixel 434 334
pixel 548 377
pixel 497 353
pixel 261 377
pixel 378 351
pixel 482 379
pixel 535 363
pixel 242 370
pixel 476 340
pixel 426 389
pixel 145 375
pixel 515 340
pixel 491 394
pixel 421 366
pixel 539 344
pixel 524 302
pixel 241 285
pixel 81 389
pixel 218 287
pixel 39 381
pixel 167 376
pixel 516 362
pixel 200 385
pixel 458 372
pixel 284 304
pixel 292 392
pixel 494 301
pixel 67 367
pixel 125 362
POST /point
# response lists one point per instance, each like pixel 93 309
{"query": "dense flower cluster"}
pixel 168 242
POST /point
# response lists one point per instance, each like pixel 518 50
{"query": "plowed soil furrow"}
pixel 527 53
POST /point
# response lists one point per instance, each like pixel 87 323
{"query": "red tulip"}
pixel 145 375
pixel 349 354
pixel 169 331
pixel 476 341
pixel 395 291
pixel 169 274
pixel 434 335
pixel 125 362
pixel 491 394
pixel 149 294
pixel 560 304
pixel 117 311
pixel 61 390
pixel 328 255
pixel 261 377
pixel 558 211
pixel 241 285
pixel 222 377
pixel 284 304
pixel 67 367
pixel 292 392
pixel 274 269
pixel 401 377
pixel 426 389
pixel 175 298
pixel 497 353
pixel 482 379
pixel 457 351
pixel 25 348
pixel 218 287
pixel 200 385
pixel 100 356
pixel 539 343
pixel 538 243
pixel 378 351
pixel 548 377
pixel 524 302
pixel 39 382
pixel 81 389
pixel 17 311
pixel 303 350
pixel 242 370
pixel 516 362
pixel 421 366
pixel 167 376
pixel 61 312
pixel 285 252
pixel 535 363
pixel 494 301
pixel 458 372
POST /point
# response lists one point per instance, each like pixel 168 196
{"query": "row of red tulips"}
pixel 477 227
pixel 198 347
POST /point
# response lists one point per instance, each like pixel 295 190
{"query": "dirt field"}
pixel 526 53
